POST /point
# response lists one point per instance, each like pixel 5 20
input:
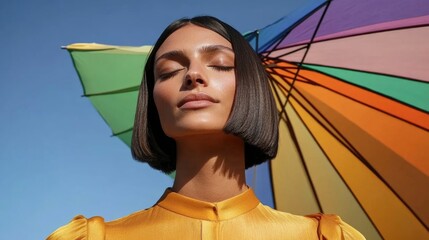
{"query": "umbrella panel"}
pixel 346 15
pixel 111 76
pixel 392 57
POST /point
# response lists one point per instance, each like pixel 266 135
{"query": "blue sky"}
pixel 57 158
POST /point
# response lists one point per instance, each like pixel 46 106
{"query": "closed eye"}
pixel 167 75
pixel 222 68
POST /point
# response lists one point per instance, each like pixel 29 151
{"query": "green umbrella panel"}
pixel 113 93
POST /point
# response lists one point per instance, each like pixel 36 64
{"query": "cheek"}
pixel 158 97
pixel 163 95
pixel 163 99
pixel 231 91
pixel 226 88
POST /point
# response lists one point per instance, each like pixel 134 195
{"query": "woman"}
pixel 203 110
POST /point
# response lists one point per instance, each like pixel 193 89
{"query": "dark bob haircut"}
pixel 253 117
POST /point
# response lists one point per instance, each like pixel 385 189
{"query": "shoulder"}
pixel 331 226
pixel 95 228
pixel 325 226
pixel 80 228
pixel 284 217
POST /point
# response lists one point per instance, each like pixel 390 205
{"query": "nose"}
pixel 195 77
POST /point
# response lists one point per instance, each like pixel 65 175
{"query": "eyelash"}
pixel 171 74
pixel 168 75
pixel 222 68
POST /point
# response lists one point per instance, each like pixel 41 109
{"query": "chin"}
pixel 194 130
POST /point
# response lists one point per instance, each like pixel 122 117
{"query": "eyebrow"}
pixel 209 49
pixel 214 48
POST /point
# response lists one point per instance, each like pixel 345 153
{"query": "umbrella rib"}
pixel 280 37
pixel 270 165
pixel 301 156
pixel 273 195
pixel 306 51
pixel 283 108
pixel 123 90
pixel 121 132
pixel 257 40
pixel 288 53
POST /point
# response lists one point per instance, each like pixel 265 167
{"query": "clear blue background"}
pixel 57 158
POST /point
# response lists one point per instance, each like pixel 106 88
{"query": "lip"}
pixel 196 100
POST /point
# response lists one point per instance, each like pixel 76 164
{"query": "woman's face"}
pixel 194 82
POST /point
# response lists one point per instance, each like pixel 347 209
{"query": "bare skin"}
pixel 210 167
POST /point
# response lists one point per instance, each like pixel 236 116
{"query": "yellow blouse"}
pixel 176 216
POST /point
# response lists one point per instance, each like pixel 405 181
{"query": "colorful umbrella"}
pixel 351 82
pixel 352 87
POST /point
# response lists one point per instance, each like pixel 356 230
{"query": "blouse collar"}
pixel 218 211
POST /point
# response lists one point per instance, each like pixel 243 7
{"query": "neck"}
pixel 210 167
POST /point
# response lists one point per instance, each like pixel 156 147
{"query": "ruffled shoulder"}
pixel 80 228
pixel 332 227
